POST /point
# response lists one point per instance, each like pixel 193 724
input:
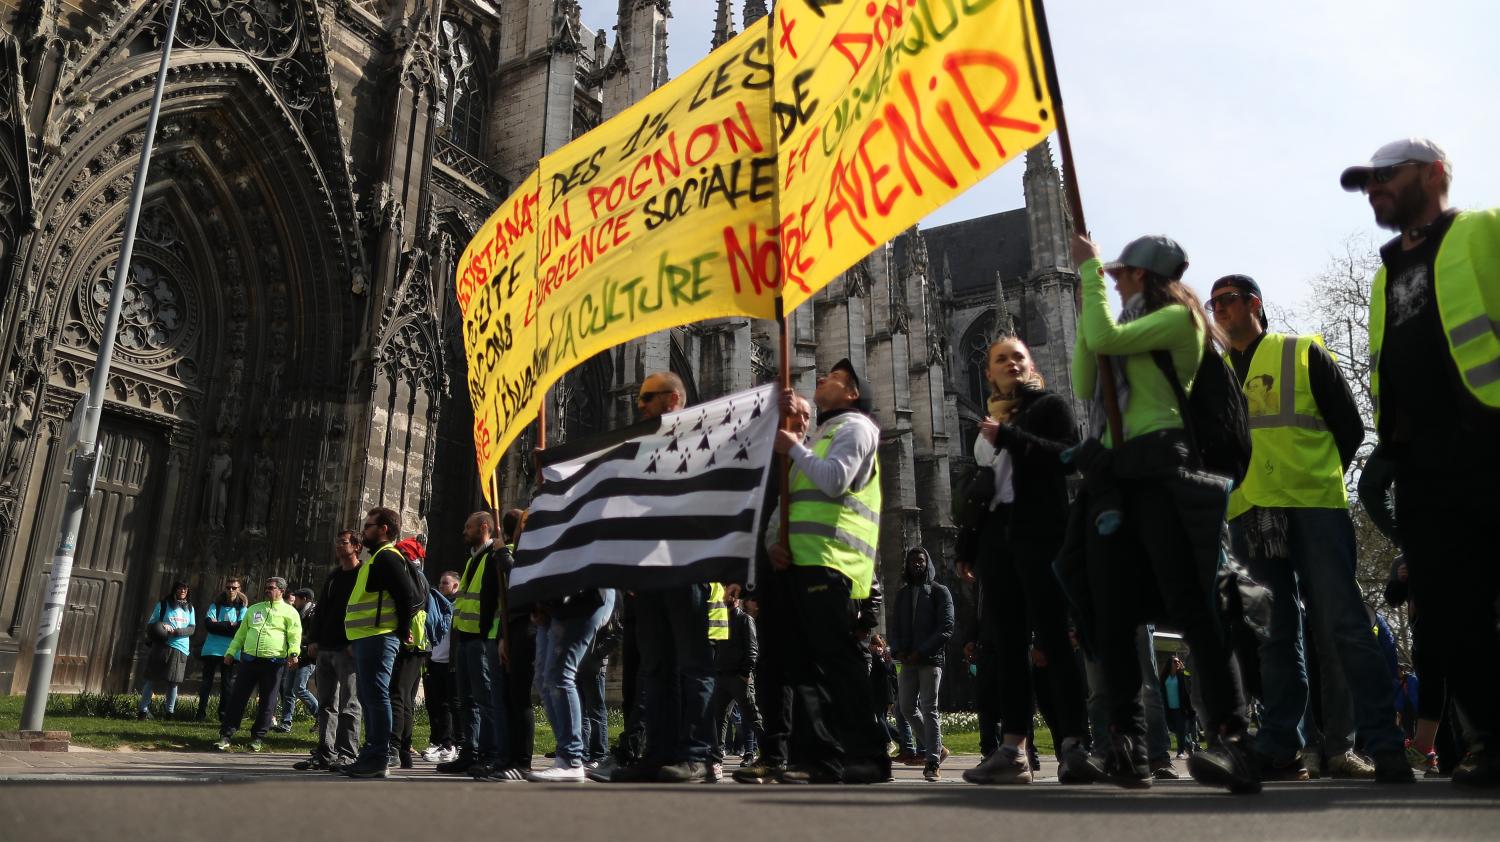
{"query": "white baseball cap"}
pixel 1408 149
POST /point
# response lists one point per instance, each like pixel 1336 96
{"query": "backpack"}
pixel 1216 415
pixel 411 551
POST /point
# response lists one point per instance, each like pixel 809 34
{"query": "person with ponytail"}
pixel 1022 440
pixel 1149 520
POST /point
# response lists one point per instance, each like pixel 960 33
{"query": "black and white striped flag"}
pixel 672 501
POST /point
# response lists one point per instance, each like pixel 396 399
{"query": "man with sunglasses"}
pixel 1290 523
pixel 267 642
pixel 676 659
pixel 1435 382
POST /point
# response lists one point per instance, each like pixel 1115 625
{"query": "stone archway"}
pixel 230 384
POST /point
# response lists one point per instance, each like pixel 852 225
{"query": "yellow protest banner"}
pixel 618 235
pixel 886 110
pixel 760 174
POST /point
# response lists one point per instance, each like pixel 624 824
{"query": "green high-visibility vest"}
pixel 466 608
pixel 1294 461
pixel 1467 285
pixel 837 532
pixel 718 613
pixel 365 615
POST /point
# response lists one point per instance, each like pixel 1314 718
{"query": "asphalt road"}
pixel 226 799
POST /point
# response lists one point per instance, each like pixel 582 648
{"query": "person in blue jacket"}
pixel 222 617
pixel 171 625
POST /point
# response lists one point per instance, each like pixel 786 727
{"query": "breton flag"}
pixel 675 500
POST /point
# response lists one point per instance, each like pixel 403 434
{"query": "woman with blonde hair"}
pixel 1022 440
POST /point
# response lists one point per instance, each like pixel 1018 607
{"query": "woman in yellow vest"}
pixel 1435 383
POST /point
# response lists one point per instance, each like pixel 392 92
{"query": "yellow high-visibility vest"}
pixel 366 615
pixel 466 615
pixel 1466 283
pixel 718 613
pixel 838 532
pixel 1294 460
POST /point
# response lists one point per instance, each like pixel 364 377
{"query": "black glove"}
pixel 1376 482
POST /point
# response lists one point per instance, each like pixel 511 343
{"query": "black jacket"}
pixel 1041 429
pixel 921 622
pixel 327 625
pixel 739 653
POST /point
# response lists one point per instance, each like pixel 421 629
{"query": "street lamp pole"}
pixel 86 453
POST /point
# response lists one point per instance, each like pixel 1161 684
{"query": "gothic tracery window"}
pixel 461 110
pixel 976 350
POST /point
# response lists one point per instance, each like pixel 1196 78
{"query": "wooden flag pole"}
pixel 784 463
pixel 1075 204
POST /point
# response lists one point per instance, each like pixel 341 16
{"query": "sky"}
pixel 1225 125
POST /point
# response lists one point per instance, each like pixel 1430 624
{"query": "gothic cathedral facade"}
pixel 290 352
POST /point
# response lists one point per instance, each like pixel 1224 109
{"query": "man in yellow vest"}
pixel 476 654
pixel 1435 385
pixel 377 621
pixel 1290 522
pixel 833 531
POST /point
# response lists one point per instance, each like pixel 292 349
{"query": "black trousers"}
pixel 214 664
pixel 250 676
pixel 833 686
pixel 779 647
pixel 519 717
pixel 1152 547
pixel 1453 570
pixel 1024 605
pixel 405 676
pixel 631 744
pixel 440 688
pixel 739 689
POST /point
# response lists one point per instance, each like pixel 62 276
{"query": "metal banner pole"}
pixel 85 454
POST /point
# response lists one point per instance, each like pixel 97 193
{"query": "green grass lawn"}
pixel 109 722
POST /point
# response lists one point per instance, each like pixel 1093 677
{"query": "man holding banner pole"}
pixel 833 529
pixel 677 660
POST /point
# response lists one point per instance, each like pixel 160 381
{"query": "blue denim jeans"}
pixel 474 659
pixel 590 682
pixel 374 657
pixel 146 694
pixel 677 671
pixel 560 648
pixel 1321 570
pixel 294 689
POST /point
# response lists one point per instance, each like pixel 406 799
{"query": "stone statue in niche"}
pixel 19 431
pixel 259 509
pixel 220 468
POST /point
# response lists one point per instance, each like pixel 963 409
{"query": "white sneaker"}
pixel 222 744
pixel 433 754
pixel 558 774
pixel 447 755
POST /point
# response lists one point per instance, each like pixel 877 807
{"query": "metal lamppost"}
pixel 84 431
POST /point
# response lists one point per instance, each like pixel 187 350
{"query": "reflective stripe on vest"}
pixel 1294 460
pixel 842 532
pixel 718 613
pixel 1466 282
pixel 365 615
pixel 466 614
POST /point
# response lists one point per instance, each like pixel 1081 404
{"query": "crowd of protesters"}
pixel 1082 534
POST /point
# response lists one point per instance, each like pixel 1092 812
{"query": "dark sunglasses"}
pixel 1383 175
pixel 1218 301
pixel 231 587
pixel 645 397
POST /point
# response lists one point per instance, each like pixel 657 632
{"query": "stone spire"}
pixel 1005 323
pixel 723 25
pixel 754 11
pixel 1046 211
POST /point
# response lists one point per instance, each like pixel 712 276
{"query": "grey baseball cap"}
pixel 1414 149
pixel 1154 253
